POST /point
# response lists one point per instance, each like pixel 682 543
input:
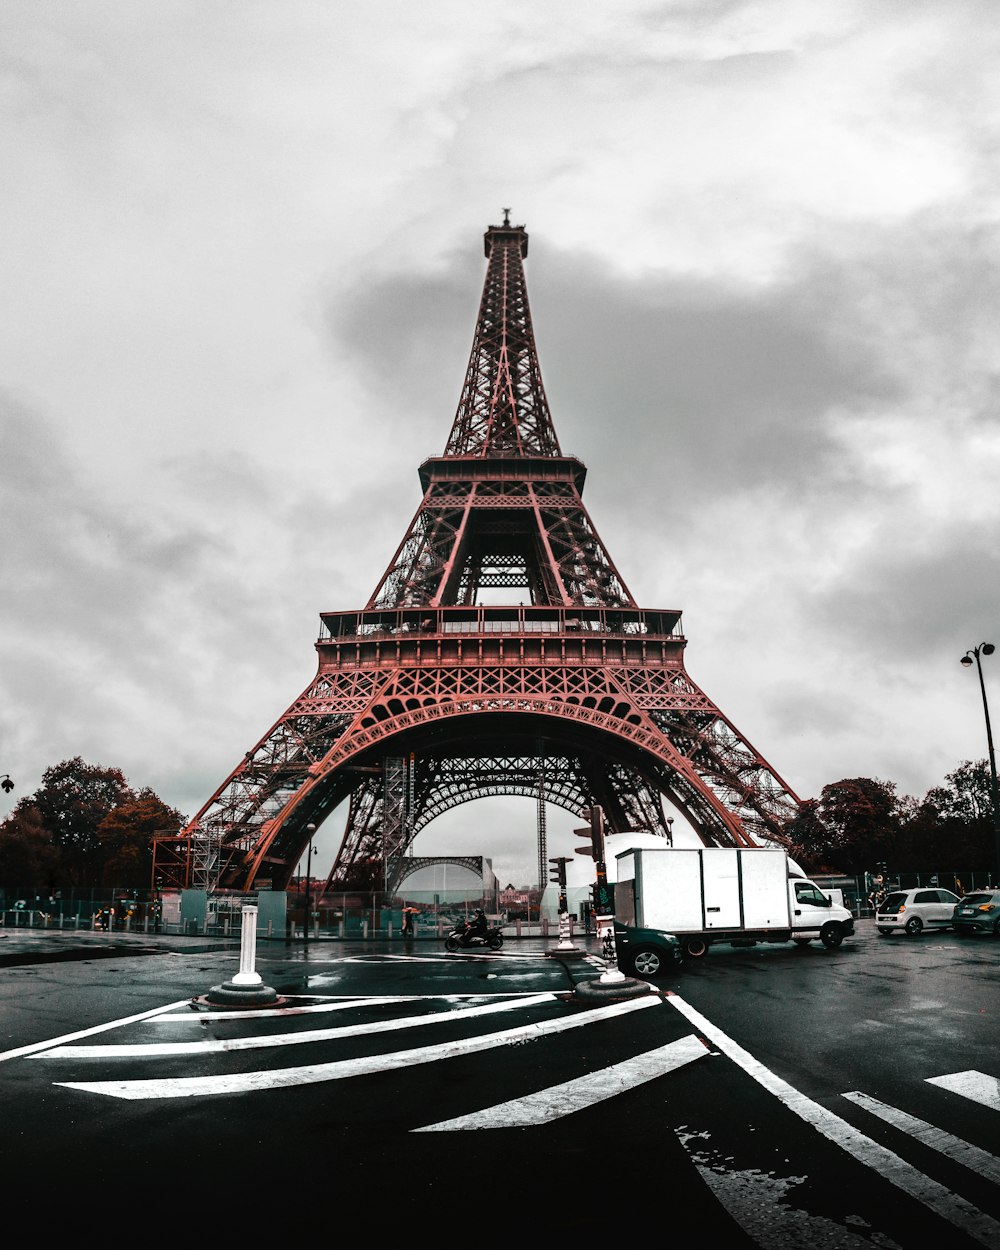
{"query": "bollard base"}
pixel 230 994
pixel 608 991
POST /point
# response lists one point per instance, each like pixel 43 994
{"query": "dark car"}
pixel 646 952
pixel 978 913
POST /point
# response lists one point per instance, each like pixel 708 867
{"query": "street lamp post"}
pixel 987 648
pixel 305 927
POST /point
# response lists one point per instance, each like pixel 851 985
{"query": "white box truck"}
pixel 741 897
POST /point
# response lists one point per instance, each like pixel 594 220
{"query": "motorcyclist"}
pixel 477 926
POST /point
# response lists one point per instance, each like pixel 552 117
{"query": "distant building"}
pixel 511 897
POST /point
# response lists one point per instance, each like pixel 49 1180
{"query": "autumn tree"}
pixel 126 836
pixel 83 826
pixel 854 824
pixel 808 837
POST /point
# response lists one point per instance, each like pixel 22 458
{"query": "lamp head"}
pixel 966 660
pixel 988 648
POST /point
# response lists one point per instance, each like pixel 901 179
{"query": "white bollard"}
pixel 247 974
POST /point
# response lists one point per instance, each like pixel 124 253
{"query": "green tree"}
pixel 28 860
pixel 952 826
pixel 73 799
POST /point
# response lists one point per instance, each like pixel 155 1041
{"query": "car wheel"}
pixel 996 929
pixel 831 935
pixel 914 926
pixel 883 932
pixel 647 962
pixel 695 947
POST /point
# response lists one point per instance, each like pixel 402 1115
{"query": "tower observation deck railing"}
pixel 652 625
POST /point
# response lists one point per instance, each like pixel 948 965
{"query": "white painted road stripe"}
pixel 282 1008
pixel 559 1100
pixel 963 1152
pixel 976 1086
pixel 146 1050
pixel 282 1078
pixel 333 1002
pixel 21 1051
pixel 897 1171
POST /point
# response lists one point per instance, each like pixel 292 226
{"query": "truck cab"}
pixel 813 911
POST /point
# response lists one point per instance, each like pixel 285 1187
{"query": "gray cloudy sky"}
pixel 242 252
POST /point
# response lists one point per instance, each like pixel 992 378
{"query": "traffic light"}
pixel 589 848
pixel 558 872
pixel 595 815
pixel 601 894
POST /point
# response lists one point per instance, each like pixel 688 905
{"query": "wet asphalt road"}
pixel 760 1112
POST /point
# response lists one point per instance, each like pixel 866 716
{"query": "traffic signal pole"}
pixel 558 875
pixel 612 983
pixel 604 912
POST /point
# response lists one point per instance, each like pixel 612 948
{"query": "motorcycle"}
pixel 461 939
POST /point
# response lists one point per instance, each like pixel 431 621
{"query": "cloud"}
pixel 245 262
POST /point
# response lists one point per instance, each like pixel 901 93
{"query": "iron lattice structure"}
pixel 500 651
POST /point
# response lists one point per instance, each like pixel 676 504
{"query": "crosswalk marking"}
pixel 282 1078
pixel 21 1051
pixel 976 1086
pixel 963 1152
pixel 215 1046
pixel 331 1002
pixel 951 1206
pixel 559 1100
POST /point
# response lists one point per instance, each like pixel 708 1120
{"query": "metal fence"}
pixel 857 891
pixel 343 915
pixel 359 915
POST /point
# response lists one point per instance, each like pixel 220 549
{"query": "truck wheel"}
pixel 831 935
pixel 801 941
pixel 647 962
pixel 695 947
pixel 914 926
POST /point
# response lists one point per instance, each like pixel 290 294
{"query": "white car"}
pixel 913 911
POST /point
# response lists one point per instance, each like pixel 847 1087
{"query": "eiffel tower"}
pixel 501 653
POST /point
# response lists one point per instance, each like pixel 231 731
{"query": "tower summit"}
pixel 501 653
pixel 503 410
